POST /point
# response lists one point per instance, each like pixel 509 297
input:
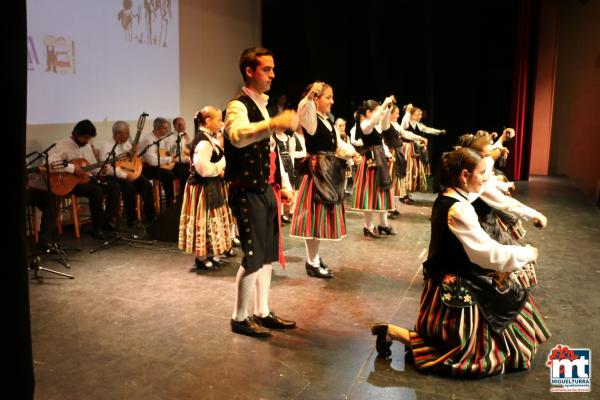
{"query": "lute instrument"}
pixel 130 161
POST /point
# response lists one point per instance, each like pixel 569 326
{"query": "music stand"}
pixel 35 263
pixel 118 235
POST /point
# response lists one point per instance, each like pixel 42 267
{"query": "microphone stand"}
pixel 157 144
pixel 34 265
pixel 118 235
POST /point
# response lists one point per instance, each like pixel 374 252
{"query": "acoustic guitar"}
pixel 166 153
pixel 130 162
pixel 62 183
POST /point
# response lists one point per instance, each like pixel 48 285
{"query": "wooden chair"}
pixel 69 205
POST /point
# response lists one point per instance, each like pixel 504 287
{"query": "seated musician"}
pixel 131 182
pixel 74 149
pixel 38 196
pixel 151 155
pixel 180 146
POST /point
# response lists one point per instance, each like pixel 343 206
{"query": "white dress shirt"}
pixel 67 149
pixel 406 135
pixel 121 148
pixel 308 114
pixel 408 125
pixel 238 128
pixel 479 246
pixel 151 155
pixel 202 155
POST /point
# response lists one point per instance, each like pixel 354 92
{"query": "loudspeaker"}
pixel 166 226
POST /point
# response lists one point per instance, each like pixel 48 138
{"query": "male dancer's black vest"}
pixel 322 140
pixel 249 166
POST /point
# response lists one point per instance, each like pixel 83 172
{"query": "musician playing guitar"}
pixel 78 150
pixel 151 155
pixel 128 173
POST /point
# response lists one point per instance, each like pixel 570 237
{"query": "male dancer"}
pixel 252 170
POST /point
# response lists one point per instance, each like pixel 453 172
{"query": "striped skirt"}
pixel 398 184
pixel 416 177
pixel 202 231
pixel 366 195
pixel 459 342
pixel 316 220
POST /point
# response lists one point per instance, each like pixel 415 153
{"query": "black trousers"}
pixel 45 201
pixel 95 191
pixel 129 189
pixel 256 215
pixel 166 176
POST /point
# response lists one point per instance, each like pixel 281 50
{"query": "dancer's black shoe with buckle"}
pixel 407 200
pixel 215 262
pixel 249 327
pixel 205 265
pixel 388 230
pixel 370 233
pixel 318 272
pixel 393 214
pixel 272 321
pixel 382 345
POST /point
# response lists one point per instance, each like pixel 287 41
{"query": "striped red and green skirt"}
pixel 203 231
pixel 366 195
pixel 459 341
pixel 398 184
pixel 313 219
pixel 416 176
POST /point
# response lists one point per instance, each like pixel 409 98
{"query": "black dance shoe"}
pixel 230 253
pixel 205 265
pixel 216 263
pixel 382 345
pixel 407 200
pixel 272 321
pixel 393 214
pixel 318 272
pixel 388 230
pixel 285 219
pixel 370 233
pixel 249 327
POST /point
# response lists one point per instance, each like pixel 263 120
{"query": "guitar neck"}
pixel 137 137
pixel 92 166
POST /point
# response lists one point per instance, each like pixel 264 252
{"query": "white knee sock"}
pixel 312 252
pixel 261 296
pixel 383 220
pixel 369 220
pixel 244 284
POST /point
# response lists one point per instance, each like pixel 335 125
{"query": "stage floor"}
pixel 140 323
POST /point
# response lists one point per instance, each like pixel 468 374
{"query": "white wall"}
pixel 212 35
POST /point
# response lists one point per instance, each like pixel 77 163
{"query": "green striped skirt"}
pixel 459 342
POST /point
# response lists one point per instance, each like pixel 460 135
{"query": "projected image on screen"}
pixel 101 59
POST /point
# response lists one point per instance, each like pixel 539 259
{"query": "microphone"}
pixel 145 114
pixel 30 154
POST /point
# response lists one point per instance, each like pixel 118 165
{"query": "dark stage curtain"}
pixel 523 89
pixel 18 380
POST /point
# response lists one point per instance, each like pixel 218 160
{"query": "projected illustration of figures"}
pixel 146 21
pixel 93 59
pixel 60 55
